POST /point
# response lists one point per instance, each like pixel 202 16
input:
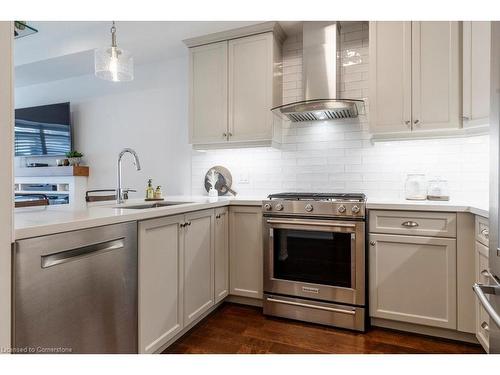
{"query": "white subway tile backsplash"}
pixel 338 156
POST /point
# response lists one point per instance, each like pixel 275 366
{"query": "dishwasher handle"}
pixel 82 252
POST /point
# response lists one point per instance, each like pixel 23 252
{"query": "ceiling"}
pixel 63 49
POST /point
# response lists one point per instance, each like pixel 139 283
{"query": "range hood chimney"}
pixel 321 78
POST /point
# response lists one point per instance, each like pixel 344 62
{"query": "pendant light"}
pixel 113 63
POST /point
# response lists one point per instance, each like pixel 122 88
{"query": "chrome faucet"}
pixel 119 190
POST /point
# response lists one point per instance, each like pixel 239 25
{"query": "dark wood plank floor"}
pixel 243 329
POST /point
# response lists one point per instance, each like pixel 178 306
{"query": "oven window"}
pixel 313 257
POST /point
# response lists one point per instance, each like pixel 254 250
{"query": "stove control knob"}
pixel 355 209
pixel 309 207
pixel 341 209
pixel 279 207
pixel 267 207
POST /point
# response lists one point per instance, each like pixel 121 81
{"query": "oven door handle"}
pixel 311 223
pixel 331 309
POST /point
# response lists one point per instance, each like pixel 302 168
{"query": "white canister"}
pixel 416 186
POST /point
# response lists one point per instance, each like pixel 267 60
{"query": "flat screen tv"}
pixel 43 131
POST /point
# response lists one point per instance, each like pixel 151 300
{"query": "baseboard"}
pixel 244 300
pixel 425 330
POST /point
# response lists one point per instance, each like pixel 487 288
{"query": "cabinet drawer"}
pixel 415 223
pixel 482 230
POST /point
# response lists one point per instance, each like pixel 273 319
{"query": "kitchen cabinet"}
pixel 390 76
pixel 161 247
pixel 414 76
pixel 251 86
pixel 234 83
pixel 221 254
pixel 246 251
pixel 476 73
pixel 481 256
pixel 176 275
pixel 482 318
pixel 208 93
pixel 413 279
pixel 198 264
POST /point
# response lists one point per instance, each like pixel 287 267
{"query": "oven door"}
pixel 318 259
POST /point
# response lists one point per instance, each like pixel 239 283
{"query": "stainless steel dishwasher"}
pixel 76 292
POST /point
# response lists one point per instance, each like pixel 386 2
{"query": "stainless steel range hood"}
pixel 321 78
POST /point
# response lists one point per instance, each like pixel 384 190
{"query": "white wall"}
pixel 148 115
pixel 337 156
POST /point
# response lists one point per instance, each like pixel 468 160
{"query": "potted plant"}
pixel 74 157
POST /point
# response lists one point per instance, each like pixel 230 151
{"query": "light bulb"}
pixel 113 64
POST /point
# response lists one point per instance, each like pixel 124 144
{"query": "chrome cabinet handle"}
pixel 486 233
pixel 372 243
pixel 416 122
pixel 410 224
pixel 485 326
pixel 230 134
pixel 350 312
pixel 188 223
pixel 407 122
pixel 481 291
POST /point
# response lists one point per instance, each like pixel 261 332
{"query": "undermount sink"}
pixel 151 205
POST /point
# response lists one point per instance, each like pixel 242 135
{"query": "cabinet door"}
pixel 160 282
pixel 476 72
pixel 221 274
pixel 208 93
pixel 436 94
pixel 251 88
pixel 246 255
pixel 390 76
pixel 482 317
pixel 413 279
pixel 198 264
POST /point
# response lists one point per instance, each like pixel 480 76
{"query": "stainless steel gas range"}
pixel 314 258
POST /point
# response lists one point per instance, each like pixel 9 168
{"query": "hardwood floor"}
pixel 235 329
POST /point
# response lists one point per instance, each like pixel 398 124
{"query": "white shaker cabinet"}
pixel 390 76
pixel 176 275
pixel 208 93
pixel 198 264
pixel 161 247
pixel 221 277
pixel 413 279
pixel 234 83
pixel 251 88
pixel 476 73
pixel 436 95
pixel 246 251
pixel 414 76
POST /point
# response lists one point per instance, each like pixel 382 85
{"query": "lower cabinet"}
pixel 413 279
pixel 482 318
pixel 198 264
pixel 246 255
pixel 160 281
pixel 221 282
pixel 176 275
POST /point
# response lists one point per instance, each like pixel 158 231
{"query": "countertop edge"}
pixel 89 222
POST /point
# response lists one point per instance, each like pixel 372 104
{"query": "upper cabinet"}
pixel 234 83
pixel 208 93
pixel 414 76
pixel 476 73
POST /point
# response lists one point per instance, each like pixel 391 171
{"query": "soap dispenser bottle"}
pixel 150 192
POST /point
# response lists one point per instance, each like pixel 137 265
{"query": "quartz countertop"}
pixel 41 221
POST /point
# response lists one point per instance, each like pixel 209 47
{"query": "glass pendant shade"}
pixel 113 63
